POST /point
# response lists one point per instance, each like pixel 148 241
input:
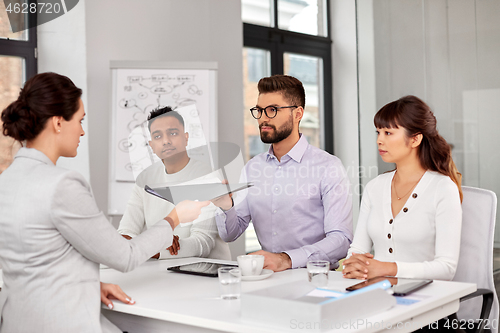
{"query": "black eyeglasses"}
pixel 270 111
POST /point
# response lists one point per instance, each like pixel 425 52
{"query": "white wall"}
pixel 367 87
pixel 436 50
pixel 445 52
pixel 345 92
pixel 61 49
pixel 161 30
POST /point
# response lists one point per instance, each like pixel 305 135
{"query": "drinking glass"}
pixel 317 272
pixel 230 282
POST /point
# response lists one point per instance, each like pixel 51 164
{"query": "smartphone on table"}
pixel 400 286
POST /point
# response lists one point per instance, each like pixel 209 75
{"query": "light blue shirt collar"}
pixel 296 153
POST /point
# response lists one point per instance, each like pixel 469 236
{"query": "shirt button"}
pixel 390 250
pixel 389 236
pixel 279 167
pixel 274 233
pixel 275 188
pixel 274 211
pixel 405 209
pixel 414 195
pixel 390 221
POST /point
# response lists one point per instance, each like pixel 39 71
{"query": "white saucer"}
pixel 263 275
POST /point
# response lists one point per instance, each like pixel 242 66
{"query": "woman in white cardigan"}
pixel 412 216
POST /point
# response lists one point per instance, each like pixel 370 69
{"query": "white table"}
pixel 173 302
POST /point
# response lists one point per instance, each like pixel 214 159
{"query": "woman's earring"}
pixel 59 131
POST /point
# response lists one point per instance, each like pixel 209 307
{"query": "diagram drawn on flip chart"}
pixel 139 88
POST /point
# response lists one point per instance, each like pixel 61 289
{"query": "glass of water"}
pixel 230 282
pixel 317 271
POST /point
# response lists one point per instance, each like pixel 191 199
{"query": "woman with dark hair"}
pixel 412 216
pixel 53 236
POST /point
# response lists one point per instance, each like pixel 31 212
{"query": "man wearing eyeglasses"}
pixel 300 204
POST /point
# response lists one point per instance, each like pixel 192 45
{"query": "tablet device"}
pixel 400 287
pixel 200 268
pixel 200 192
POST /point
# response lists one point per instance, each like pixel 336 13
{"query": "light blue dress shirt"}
pixel 300 205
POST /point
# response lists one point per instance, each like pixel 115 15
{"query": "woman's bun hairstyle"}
pixel 43 96
pixel 19 122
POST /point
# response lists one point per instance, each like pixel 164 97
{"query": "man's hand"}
pixel 174 248
pixel 224 202
pixel 275 261
pixel 112 291
pixel 363 266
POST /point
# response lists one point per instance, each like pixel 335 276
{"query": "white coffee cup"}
pixel 250 265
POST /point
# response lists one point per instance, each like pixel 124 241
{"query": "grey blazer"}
pixel 52 239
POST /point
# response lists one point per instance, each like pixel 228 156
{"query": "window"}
pixel 17 63
pixel 288 37
pixel 17 53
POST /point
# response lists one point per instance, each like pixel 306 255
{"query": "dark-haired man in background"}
pixel 300 204
pixel 168 141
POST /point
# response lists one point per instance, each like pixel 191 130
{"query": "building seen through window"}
pixel 17 64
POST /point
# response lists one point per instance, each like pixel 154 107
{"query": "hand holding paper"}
pixel 205 191
pixel 186 211
pixel 224 202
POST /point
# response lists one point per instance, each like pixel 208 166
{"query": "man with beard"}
pixel 300 204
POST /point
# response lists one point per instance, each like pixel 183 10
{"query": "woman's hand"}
pixel 187 211
pixel 112 291
pixel 356 267
pixel 363 266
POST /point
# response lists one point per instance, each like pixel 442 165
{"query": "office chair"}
pixel 475 264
